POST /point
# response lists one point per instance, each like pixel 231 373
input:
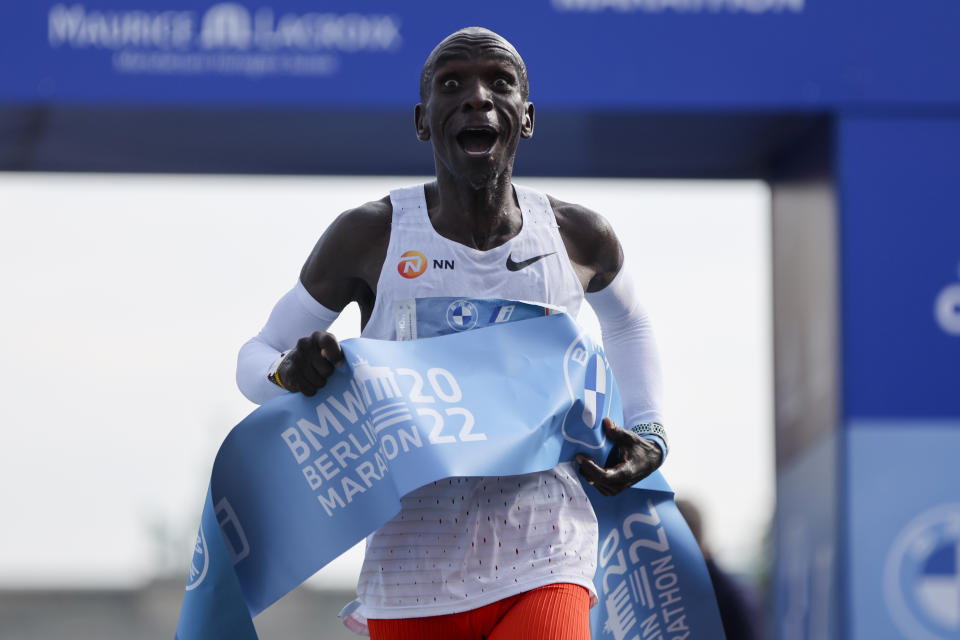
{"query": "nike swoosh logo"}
pixel 516 266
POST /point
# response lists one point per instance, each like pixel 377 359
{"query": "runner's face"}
pixel 475 112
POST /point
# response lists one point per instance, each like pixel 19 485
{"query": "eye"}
pixel 450 83
pixel 501 83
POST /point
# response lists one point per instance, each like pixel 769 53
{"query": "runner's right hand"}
pixel 307 367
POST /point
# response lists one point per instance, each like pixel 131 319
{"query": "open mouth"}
pixel 477 141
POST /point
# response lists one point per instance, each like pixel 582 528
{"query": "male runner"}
pixel 488 558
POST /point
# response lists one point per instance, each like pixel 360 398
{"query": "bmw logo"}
pixel 922 576
pixel 462 315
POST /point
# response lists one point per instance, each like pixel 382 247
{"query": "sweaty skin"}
pixel 474 111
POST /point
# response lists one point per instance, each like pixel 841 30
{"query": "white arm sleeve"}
pixel 632 352
pixel 296 314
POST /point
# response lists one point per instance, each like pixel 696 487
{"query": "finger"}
pixel 329 347
pixel 307 388
pixel 592 472
pixel 319 369
pixel 304 378
pixel 604 488
pixel 614 481
pixel 309 374
pixel 321 366
pixel 336 359
pixel 621 477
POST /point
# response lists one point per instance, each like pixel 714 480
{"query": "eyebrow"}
pixel 460 53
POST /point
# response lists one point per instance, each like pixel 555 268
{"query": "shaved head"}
pixel 466 43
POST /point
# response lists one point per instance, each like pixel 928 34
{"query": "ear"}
pixel 526 124
pixel 419 117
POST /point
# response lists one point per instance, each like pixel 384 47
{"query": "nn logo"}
pixel 413 263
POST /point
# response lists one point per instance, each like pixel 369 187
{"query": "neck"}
pixel 481 217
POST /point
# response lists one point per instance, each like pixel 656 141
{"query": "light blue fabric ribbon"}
pixel 301 480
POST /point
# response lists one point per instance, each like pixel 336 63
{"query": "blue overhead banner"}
pixel 628 53
pixel 301 480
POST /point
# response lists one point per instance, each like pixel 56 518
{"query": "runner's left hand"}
pixel 639 457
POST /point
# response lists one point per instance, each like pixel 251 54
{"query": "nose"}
pixel 477 97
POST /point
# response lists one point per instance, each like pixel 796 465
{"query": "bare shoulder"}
pixel 345 263
pixel 590 241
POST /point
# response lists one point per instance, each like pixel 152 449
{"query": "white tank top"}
pixel 462 543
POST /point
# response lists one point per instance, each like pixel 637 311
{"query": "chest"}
pixel 527 267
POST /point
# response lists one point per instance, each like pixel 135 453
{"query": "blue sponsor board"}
pixel 629 53
pixel 900 265
pixel 903 536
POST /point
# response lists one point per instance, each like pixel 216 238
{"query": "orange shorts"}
pixel 554 612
